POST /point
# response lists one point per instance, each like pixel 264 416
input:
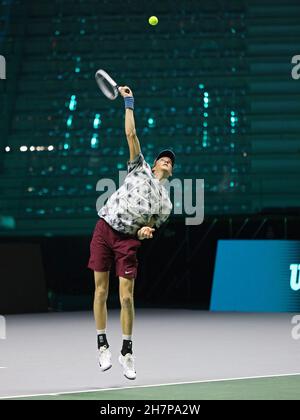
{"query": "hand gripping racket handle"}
pixel 126 90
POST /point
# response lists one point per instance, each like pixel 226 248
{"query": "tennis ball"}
pixel 153 20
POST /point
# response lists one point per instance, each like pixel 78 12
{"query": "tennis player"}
pixel 129 216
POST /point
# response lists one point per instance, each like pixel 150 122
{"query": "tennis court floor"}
pixel 216 356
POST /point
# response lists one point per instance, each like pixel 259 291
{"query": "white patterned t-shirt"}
pixel 141 197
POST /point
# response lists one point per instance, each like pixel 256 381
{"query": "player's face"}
pixel 165 164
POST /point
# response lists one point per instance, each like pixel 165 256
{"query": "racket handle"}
pixel 126 90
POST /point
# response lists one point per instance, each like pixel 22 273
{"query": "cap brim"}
pixel 168 153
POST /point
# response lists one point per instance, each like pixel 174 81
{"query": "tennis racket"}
pixel 107 85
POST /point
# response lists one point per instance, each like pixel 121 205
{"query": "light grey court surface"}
pixel 54 353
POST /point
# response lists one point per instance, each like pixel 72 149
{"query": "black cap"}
pixel 168 153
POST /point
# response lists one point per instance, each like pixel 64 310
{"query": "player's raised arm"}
pixel 130 131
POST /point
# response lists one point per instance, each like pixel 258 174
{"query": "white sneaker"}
pixel 104 358
pixel 127 362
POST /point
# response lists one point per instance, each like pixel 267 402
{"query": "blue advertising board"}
pixel 256 276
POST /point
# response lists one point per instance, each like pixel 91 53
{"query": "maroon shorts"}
pixel 108 245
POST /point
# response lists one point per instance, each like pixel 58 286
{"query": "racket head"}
pixel 106 84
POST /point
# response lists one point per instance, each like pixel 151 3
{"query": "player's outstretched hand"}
pixel 145 233
pixel 125 91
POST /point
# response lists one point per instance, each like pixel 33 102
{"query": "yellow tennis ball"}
pixel 153 20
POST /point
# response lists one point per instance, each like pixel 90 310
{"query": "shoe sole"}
pixel 131 379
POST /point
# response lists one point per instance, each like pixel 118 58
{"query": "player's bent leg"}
pixel 126 290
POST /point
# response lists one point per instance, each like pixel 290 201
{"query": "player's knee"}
pixel 127 301
pixel 101 294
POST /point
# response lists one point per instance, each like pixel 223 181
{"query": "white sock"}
pixel 101 332
pixel 127 337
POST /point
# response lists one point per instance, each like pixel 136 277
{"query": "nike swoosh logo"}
pixel 128 272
